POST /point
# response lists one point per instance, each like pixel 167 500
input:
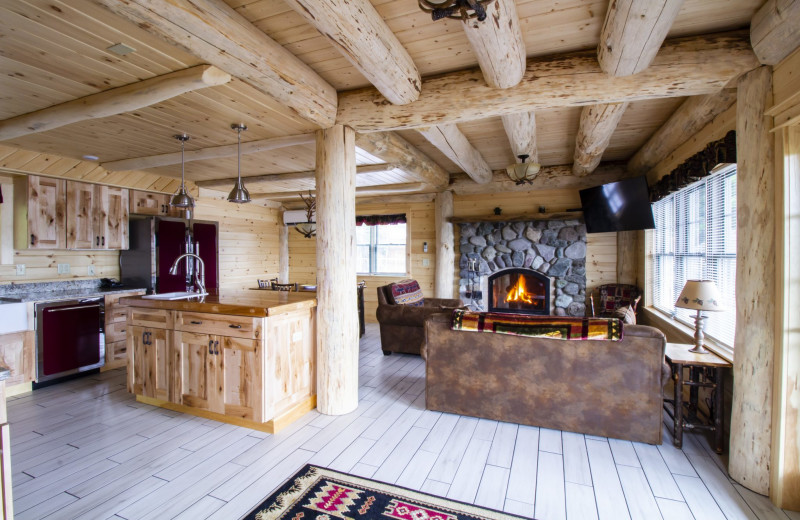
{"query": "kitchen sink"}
pixel 173 295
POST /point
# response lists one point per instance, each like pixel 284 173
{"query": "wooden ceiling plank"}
pixel 362 191
pixel 394 149
pixel 217 34
pixel 633 33
pixel 360 34
pixel 521 131
pixel 214 152
pixel 114 101
pixel 694 114
pixel 775 30
pixel 497 43
pixel 454 144
pixel 289 176
pixel 598 123
pixel 686 66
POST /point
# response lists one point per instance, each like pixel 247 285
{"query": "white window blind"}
pixel 695 239
pixel 381 249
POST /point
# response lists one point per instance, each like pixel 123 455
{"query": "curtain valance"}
pixel 375 220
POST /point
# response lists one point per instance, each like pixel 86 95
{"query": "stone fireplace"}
pixel 519 291
pixel 554 249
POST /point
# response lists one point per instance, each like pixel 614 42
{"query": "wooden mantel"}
pixel 563 215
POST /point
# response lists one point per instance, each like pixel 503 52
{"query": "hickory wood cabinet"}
pixel 115 329
pixel 149 338
pixel 18 352
pixel 40 213
pixel 150 203
pixel 97 216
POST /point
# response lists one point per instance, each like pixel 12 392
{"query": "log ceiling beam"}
pixel 454 144
pixel 392 148
pixel 693 114
pixel 213 152
pixel 684 67
pixel 363 191
pixel 357 30
pixel 217 34
pixel 498 45
pixel 521 131
pixel 597 125
pixel 114 101
pixel 775 30
pixel 264 181
pixel 549 178
pixel 632 34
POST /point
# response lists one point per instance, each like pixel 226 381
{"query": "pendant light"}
pixel 523 172
pixel 182 199
pixel 239 193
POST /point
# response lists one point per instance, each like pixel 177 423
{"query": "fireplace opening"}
pixel 522 291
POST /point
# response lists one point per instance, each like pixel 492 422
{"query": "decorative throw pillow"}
pixel 407 292
pixel 626 314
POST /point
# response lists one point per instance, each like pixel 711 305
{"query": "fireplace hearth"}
pixel 519 291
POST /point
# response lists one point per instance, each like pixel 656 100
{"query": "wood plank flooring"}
pixel 87 449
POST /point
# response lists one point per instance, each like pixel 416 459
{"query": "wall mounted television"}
pixel 617 206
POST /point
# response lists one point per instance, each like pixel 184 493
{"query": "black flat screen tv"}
pixel 617 206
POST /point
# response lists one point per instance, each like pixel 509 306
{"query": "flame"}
pixel 519 293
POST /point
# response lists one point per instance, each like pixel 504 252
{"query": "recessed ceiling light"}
pixel 121 49
pixel 91 157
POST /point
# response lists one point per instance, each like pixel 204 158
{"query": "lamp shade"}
pixel 701 295
pixel 523 172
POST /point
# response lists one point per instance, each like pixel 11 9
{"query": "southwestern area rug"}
pixel 316 493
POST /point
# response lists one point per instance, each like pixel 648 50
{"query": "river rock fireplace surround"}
pixel 550 254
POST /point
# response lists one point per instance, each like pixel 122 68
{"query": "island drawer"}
pixel 220 324
pixel 154 318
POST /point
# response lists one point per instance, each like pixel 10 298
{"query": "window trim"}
pixel 406 274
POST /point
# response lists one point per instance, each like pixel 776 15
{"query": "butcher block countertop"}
pixel 240 303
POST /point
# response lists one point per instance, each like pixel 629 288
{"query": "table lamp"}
pixel 701 295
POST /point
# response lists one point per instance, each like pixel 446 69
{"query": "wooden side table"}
pixel 705 370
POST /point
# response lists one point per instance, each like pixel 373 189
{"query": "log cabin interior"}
pixel 302 117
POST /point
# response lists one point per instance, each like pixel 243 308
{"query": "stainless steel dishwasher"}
pixel 69 337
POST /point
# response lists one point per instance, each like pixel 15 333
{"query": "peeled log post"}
pixel 598 123
pixel 751 417
pixel 498 45
pixel 283 252
pixel 337 319
pixel 445 248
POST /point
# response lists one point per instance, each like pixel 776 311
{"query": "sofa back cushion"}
pixel 553 327
pixel 407 292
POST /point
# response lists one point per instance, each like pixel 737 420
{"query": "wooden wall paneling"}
pixel 774 30
pixel 751 431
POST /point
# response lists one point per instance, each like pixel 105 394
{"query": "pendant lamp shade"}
pixel 181 198
pixel 523 172
pixel 239 193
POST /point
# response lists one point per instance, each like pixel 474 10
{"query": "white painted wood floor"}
pixel 87 449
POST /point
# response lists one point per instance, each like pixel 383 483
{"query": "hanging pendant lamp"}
pixel 181 198
pixel 239 193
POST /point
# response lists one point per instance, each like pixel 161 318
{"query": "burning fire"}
pixel 519 293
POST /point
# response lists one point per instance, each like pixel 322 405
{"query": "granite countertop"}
pixel 51 291
pixel 239 303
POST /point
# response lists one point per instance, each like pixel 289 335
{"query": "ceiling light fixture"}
pixel 308 229
pixel 182 199
pixel 523 172
pixel 239 193
pixel 457 9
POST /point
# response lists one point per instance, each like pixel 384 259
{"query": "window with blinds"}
pixel 695 239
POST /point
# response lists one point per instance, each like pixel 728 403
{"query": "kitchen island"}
pixel 242 357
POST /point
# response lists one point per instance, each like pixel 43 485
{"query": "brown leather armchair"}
pixel 403 326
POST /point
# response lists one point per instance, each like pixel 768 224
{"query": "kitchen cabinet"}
pixel 115 329
pixel 7 504
pixel 17 352
pixel 149 203
pixel 97 216
pixel 151 361
pixel 40 217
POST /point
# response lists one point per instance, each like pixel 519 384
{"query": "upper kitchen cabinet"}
pixel 40 213
pixel 98 216
pixel 149 203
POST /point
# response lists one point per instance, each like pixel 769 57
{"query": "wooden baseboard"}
pixel 273 426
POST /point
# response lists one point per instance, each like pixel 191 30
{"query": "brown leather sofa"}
pixel 403 326
pixel 605 388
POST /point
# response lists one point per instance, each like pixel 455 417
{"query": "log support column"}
pixel 445 248
pixel 750 447
pixel 283 251
pixel 337 319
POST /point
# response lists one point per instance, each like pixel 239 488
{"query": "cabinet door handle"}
pixel 196 322
pixel 103 240
pixel 33 239
pixel 149 338
pixel 210 344
pixel 97 240
pixel 235 326
pixel 216 348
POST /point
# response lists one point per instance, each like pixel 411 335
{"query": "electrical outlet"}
pixel 20 269
pixel 426 262
pixel 90 270
pixel 63 268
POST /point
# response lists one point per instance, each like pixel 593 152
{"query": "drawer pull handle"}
pixel 196 322
pixel 33 239
pixel 210 344
pixel 235 326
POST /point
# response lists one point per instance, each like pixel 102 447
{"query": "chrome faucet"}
pixel 199 276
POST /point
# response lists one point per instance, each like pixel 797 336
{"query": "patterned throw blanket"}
pixel 555 327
